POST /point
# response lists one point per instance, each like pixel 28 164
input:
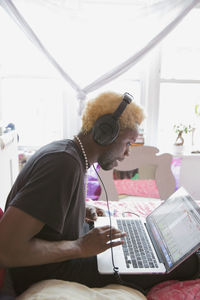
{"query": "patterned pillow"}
pixel 142 188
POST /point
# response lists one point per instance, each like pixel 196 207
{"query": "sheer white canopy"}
pixel 115 41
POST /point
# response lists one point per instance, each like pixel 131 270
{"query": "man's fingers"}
pixel 111 230
pixel 93 212
pixel 114 244
pixel 115 236
pixel 107 228
pixel 100 212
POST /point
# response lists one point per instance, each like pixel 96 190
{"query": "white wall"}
pixel 71 119
pixel 189 175
pixel 0 98
pixel 8 164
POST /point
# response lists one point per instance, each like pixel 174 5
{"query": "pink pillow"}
pixel 175 290
pixel 142 188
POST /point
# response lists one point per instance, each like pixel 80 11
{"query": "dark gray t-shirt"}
pixel 50 187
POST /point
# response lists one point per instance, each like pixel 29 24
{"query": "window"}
pixel 179 81
pixel 35 107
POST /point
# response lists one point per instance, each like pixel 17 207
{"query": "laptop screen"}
pixel 175 226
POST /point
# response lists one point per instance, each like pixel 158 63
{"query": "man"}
pixel 42 229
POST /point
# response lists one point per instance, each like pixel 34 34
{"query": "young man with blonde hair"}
pixel 42 229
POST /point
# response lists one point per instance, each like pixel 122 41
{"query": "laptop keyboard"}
pixel 137 249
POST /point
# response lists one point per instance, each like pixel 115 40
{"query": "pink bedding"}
pixel 139 187
pixel 175 290
pixel 140 206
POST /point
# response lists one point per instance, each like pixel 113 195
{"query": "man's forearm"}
pixel 38 252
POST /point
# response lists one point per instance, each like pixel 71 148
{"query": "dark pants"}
pixel 6 297
pixel 85 271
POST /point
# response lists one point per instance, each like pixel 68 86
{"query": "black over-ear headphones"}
pixel 106 128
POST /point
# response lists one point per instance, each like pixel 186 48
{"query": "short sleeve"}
pixel 49 189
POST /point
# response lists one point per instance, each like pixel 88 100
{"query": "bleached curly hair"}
pixel 107 103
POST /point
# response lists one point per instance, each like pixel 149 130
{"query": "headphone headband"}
pixel 127 98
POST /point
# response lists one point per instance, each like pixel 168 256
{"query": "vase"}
pixel 178 149
pixel 179 140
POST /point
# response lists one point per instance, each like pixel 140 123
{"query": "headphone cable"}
pixel 110 221
pixel 116 269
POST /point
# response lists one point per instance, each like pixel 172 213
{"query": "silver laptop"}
pixel 157 244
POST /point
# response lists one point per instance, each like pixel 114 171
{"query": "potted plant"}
pixel 180 129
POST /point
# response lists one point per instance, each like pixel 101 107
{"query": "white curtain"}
pixel 105 42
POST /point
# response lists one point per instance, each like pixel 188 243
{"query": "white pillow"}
pixel 65 290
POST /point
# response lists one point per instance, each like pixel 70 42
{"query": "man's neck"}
pixel 90 147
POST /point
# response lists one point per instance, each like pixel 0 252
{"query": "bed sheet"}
pixel 127 206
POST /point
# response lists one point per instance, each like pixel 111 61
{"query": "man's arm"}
pixel 19 247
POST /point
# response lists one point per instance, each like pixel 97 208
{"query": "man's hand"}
pixel 99 239
pixel 92 213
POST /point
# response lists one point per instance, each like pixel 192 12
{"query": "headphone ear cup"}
pixel 106 130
